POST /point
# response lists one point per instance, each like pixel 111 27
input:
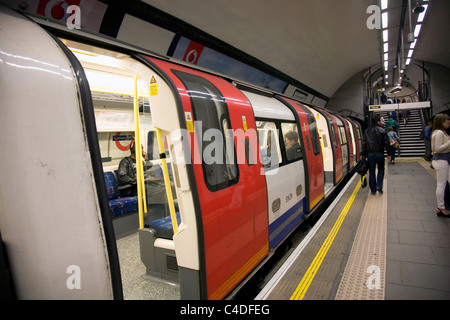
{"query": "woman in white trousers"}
pixel 440 146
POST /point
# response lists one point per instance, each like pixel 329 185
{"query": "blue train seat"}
pixel 118 206
pixel 163 227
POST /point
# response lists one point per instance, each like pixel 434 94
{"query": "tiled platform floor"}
pixel 418 241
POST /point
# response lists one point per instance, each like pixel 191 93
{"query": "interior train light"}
pixel 98 59
pixel 110 83
pixel 386 47
pixel 83 52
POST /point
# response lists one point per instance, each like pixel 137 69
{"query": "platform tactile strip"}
pixel 364 275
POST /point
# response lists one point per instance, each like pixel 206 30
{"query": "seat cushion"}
pixel 163 227
pixel 111 185
pixel 123 205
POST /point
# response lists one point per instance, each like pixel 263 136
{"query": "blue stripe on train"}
pixel 281 227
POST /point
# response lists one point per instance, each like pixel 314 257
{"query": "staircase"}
pixel 411 145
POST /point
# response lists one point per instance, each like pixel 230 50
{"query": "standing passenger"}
pixel 390 149
pixel 374 143
pixel 391 123
pixel 440 146
pixel 404 116
pixel 427 140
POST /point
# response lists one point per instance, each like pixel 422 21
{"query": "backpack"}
pixel 422 134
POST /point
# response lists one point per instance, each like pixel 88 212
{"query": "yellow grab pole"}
pixel 139 167
pixel 165 170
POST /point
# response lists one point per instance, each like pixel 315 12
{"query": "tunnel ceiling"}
pixel 320 43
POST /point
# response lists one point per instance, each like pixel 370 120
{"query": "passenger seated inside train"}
pixel 293 149
pixel 154 183
pixel 126 174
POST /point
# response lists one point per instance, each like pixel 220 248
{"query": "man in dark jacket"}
pixel 374 143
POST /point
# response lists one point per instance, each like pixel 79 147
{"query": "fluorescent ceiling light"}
pixel 408 61
pixel 384 4
pixel 422 14
pixel 417 30
pixel 386 56
pixel 386 64
pixel 385 35
pixel 410 53
pixel 384 19
pixel 413 44
pixel 386 47
pixel 386 76
pixel 107 82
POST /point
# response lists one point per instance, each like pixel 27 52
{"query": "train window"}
pixel 210 110
pixel 269 144
pixel 292 142
pixel 343 136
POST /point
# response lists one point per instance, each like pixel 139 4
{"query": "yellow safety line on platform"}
pixel 304 284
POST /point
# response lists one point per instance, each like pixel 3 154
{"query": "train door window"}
pixel 324 139
pixel 210 110
pixel 334 136
pixel 315 138
pixel 343 136
pixel 313 133
pixel 292 141
pixel 152 146
pixel 269 144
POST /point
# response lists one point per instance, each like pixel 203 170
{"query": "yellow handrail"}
pixel 142 204
pixel 165 170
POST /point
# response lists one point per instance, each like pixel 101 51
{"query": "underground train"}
pixel 246 165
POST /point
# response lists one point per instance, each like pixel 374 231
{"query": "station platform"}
pixel 389 246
